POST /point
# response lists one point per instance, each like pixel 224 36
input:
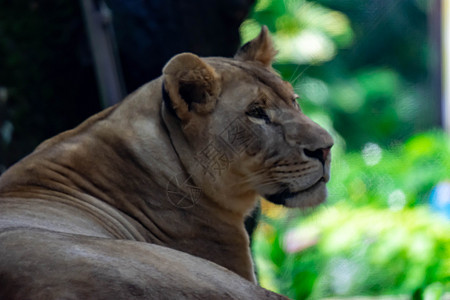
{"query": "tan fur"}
pixel 147 199
pixel 261 49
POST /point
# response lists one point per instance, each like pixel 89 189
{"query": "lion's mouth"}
pixel 285 194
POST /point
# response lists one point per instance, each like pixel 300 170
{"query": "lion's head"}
pixel 240 131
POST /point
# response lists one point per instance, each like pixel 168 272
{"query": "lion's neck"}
pixel 195 225
pixel 204 227
pixel 206 231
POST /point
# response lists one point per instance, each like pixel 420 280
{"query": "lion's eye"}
pixel 295 100
pixel 259 113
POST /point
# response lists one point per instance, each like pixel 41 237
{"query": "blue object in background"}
pixel 440 198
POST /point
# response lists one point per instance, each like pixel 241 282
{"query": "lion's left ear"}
pixel 260 49
pixel 192 85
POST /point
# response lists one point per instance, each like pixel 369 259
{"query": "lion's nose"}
pixel 321 154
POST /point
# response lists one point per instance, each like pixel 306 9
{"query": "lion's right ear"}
pixel 191 84
pixel 260 49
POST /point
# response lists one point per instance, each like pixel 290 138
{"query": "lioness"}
pixel 147 199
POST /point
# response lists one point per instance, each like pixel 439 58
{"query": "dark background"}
pixel 47 76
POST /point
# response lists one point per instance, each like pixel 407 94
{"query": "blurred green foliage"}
pixel 375 239
pixel 362 70
pixel 347 251
pixel 394 178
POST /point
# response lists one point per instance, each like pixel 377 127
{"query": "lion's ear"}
pixel 259 49
pixel 191 84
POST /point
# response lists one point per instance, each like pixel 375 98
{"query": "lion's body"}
pixel 85 215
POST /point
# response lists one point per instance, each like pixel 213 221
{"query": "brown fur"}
pixel 98 211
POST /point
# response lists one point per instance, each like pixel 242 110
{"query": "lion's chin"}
pixel 310 197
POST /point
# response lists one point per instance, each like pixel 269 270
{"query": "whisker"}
pixel 246 181
pixel 294 73
pixel 301 73
pixel 249 178
pixel 266 182
pixel 252 178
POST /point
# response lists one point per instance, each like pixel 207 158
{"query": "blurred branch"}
pixel 444 7
pixel 98 19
